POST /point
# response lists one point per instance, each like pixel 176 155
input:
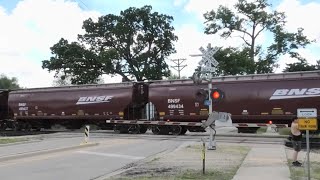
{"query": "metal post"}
pixel 86 134
pixel 211 142
pixel 308 151
pixel 203 156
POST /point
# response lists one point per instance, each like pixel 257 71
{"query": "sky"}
pixel 30 27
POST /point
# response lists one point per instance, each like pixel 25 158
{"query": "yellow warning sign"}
pixel 308 124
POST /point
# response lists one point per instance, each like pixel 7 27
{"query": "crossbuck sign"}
pixel 208 63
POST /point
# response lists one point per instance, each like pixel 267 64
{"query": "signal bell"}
pixel 216 95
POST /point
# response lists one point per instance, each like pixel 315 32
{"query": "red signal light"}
pixel 216 95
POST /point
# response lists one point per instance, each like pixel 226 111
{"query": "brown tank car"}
pixel 250 99
pixel 75 106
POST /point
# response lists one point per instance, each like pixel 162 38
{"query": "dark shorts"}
pixel 296 145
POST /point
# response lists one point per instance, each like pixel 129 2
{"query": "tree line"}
pixel 135 44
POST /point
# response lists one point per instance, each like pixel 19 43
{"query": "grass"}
pixel 11 140
pixel 210 173
pixel 225 174
pixel 225 149
pixel 284 131
pixel 298 173
pixel 262 130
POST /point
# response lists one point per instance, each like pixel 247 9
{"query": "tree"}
pixel 175 76
pixel 302 65
pixel 133 45
pixel 7 83
pixel 250 20
pixel 63 80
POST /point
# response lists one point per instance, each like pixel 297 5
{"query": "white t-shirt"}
pixel 294 129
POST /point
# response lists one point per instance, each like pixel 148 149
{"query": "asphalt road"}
pixel 86 163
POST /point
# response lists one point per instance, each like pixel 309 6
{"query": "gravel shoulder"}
pixel 185 162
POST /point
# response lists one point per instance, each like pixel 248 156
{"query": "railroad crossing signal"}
pixel 208 63
pixel 207 56
pixel 216 95
pixel 208 66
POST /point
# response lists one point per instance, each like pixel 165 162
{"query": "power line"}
pixel 178 63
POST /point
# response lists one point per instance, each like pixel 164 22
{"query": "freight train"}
pixel 166 106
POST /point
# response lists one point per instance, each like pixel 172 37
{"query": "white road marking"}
pixel 111 155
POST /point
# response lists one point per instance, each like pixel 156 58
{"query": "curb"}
pixel 42 152
pixel 253 135
pixel 21 142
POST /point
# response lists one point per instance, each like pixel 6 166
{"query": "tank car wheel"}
pixel 3 126
pixel 143 129
pixel 120 129
pixel 27 127
pixel 183 131
pixel 176 130
pixel 156 130
pixel 134 129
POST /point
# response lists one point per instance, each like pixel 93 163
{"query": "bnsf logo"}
pixel 295 93
pixel 94 99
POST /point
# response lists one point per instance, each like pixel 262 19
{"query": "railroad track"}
pixel 314 142
pixel 150 136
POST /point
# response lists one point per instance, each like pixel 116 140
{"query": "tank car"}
pixel 74 106
pixel 259 99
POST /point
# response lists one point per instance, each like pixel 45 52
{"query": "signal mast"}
pixel 208 66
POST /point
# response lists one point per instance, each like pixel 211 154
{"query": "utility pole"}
pixel 178 63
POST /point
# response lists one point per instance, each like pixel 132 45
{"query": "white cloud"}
pixel 200 7
pixel 33 27
pixel 190 40
pixel 28 72
pixel 301 15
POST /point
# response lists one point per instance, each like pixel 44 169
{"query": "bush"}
pixel 284 131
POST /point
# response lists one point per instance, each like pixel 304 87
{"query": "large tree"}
pixel 302 65
pixel 250 20
pixel 63 80
pixel 8 83
pixel 133 45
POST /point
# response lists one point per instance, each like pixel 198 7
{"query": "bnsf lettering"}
pixel 94 99
pixel 313 91
pixel 173 101
pixel 295 93
pixel 22 104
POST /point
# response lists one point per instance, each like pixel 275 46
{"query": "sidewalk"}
pixel 264 163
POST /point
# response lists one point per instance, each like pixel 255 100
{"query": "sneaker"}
pixel 296 163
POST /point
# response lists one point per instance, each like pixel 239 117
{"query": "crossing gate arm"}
pixel 223 119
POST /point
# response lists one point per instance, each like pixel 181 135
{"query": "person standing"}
pixel 296 141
